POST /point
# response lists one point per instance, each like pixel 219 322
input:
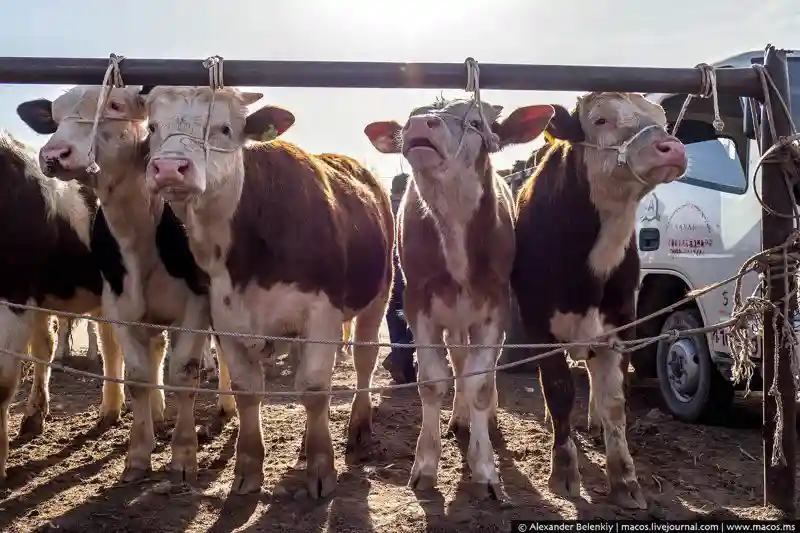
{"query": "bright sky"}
pixel 673 33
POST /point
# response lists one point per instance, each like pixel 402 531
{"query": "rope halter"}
pixel 215 82
pixel 622 150
pixel 111 79
pixel 708 89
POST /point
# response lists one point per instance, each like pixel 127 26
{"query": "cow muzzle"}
pixel 172 178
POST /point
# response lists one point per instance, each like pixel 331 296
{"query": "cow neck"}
pixel 131 213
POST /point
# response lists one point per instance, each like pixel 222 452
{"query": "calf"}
pixel 577 267
pixel 294 244
pixel 45 261
pixel 456 246
pixel 149 274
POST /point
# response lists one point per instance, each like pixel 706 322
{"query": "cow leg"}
pixel 226 404
pixel 38 405
pixel 432 365
pixel 113 367
pixel 459 418
pixel 609 388
pixel 341 355
pixel 314 373
pixel 15 331
pixel 367 329
pixel 558 388
pixel 184 371
pixel 247 375
pixel 63 344
pixel 158 349
pixel 91 334
pixel 480 395
pixel 138 354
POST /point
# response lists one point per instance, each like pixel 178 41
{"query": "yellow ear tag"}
pixel 270 135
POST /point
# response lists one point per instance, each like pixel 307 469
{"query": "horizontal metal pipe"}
pixel 69 71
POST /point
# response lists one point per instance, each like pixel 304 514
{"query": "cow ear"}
pixel 565 126
pixel 38 115
pixel 268 123
pixel 524 124
pixel 384 136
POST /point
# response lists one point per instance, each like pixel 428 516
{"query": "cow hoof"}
pixel 105 422
pixel 564 484
pixel 183 476
pixel 321 482
pixel 359 439
pixel 488 491
pixel 132 474
pixel 32 425
pixel 628 494
pixel 421 482
pixel 247 482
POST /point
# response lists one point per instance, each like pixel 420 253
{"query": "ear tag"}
pixel 270 135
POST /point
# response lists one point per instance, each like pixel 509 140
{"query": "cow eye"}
pixel 114 106
pixel 475 124
pixel 226 130
pixel 600 121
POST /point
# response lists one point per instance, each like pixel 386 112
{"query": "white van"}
pixel 692 233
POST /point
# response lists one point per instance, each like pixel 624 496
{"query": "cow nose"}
pixel 169 170
pixel 672 151
pixel 57 152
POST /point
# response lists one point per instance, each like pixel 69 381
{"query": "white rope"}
pixel 708 89
pixel 112 79
pixel 215 82
pixel 473 85
pixel 736 321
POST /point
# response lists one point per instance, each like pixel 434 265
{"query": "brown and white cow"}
pixel 149 274
pixel 577 266
pixel 456 248
pixel 45 261
pixel 294 244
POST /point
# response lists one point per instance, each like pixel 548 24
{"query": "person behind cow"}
pixel 400 361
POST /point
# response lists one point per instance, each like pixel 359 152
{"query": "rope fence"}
pixel 746 309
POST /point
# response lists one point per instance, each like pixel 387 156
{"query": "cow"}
pixel 456 245
pixel 149 273
pixel 295 244
pixel 46 262
pixel 577 267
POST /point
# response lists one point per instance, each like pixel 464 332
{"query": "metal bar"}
pixel 68 71
pixel 779 481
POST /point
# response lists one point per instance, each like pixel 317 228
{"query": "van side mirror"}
pixel 749 126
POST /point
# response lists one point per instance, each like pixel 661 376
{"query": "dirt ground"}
pixel 67 480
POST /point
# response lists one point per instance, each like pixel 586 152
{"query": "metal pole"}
pixel 779 481
pixel 49 70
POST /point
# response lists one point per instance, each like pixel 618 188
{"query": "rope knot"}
pixel 111 79
pixel 473 85
pixel 672 335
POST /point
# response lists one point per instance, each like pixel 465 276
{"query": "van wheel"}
pixel 692 387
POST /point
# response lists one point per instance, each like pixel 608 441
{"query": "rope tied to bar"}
pixel 708 89
pixel 111 79
pixel 491 139
pixel 214 65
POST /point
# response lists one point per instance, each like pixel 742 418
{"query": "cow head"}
pixel 449 138
pixel 624 137
pixel 68 120
pixel 180 167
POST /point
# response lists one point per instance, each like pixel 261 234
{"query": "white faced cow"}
pixel 577 266
pixel 294 243
pixel 456 244
pixel 148 271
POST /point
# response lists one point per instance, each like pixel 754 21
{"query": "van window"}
pixel 715 164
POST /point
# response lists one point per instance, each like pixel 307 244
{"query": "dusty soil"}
pixel 66 480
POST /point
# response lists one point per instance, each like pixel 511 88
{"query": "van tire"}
pixel 707 393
